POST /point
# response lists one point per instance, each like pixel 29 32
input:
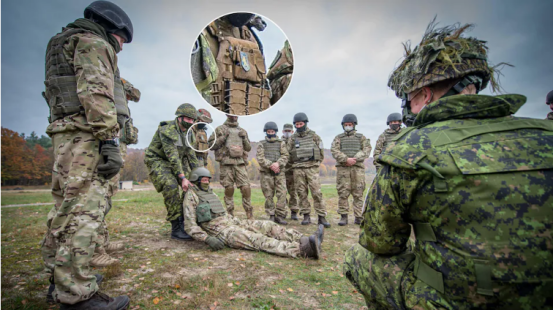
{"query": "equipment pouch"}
pixel 235 151
pixel 131 133
pixel 236 97
pixel 247 59
pixel 203 213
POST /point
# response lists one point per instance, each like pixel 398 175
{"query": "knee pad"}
pixel 229 191
pixel 245 191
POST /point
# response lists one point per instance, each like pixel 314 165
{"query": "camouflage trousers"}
pixel 262 235
pixel 292 201
pixel 166 182
pixel 79 195
pixel 350 181
pixel 307 178
pixel 235 175
pixel 274 185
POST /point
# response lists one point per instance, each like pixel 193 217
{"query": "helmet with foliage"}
pixel 204 116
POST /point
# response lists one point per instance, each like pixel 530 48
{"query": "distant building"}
pixel 126 185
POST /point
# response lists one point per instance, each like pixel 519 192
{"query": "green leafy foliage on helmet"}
pixel 198 173
pixel 187 110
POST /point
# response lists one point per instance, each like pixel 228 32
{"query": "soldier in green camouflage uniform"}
pixel 272 155
pixel 207 221
pixel 394 121
pixel 231 149
pixel 350 149
pixel 292 201
pixel 473 181
pixel 549 103
pixel 170 159
pixel 280 72
pixel 306 151
pixel 82 83
pixel 199 131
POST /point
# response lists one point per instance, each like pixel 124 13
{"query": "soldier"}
pixel 272 155
pixel 82 83
pixel 201 137
pixel 306 151
pixel 228 65
pixel 280 72
pixel 292 202
pixel 169 159
pixel 206 220
pixel 473 181
pixel 549 102
pixel 394 121
pixel 231 151
pixel 129 136
pixel 350 149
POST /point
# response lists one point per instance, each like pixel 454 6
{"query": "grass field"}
pixel 159 273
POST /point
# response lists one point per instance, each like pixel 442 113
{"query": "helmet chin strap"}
pixel 462 84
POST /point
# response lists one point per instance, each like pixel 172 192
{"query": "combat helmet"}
pixel 204 116
pixel 349 118
pixel 271 126
pixel 111 17
pixel 187 110
pixel 394 117
pixel 549 98
pixel 300 117
pixel 198 173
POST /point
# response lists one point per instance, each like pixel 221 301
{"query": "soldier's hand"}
pixel 242 133
pixel 185 184
pixel 274 167
pixel 113 163
pixel 215 243
pixel 350 161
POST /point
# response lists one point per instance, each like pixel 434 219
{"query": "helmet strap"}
pixel 462 84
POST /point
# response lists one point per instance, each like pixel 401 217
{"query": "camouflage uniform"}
pixel 79 192
pixel 382 142
pixel 306 174
pixel 292 201
pixel 254 235
pixel 232 169
pixel 350 179
pixel 474 183
pixel 271 183
pixel 167 157
pixel 280 72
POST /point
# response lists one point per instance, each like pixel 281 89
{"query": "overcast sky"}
pixel 344 52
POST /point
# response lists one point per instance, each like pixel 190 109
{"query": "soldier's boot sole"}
pixel 114 247
pixel 320 233
pixel 322 221
pixel 99 301
pixel 52 287
pixel 309 247
pixel 343 220
pixel 280 221
pixel 102 260
pixel 306 220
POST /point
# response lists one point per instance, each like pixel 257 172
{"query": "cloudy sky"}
pixel 344 52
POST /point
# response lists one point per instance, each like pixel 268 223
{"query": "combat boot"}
pixel 272 218
pixel 306 220
pixel 293 215
pixel 343 220
pixel 280 221
pixel 320 233
pixel 50 296
pixel 114 247
pixel 182 224
pixel 249 215
pixel 358 220
pixel 176 231
pixel 99 301
pixel 322 221
pixel 310 246
pixel 101 260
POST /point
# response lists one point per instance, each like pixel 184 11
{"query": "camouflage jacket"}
pixel 94 62
pixel 360 156
pixel 265 163
pixel 169 144
pixel 382 142
pixel 221 151
pixel 317 141
pixel 476 185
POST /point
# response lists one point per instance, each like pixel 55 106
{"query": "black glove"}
pixel 215 243
pixel 113 161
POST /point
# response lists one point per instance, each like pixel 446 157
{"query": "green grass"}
pixel 160 273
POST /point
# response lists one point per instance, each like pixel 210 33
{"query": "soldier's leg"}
pixel 281 192
pixel 267 185
pixel 293 197
pixel 343 189
pixel 378 278
pixel 170 187
pixel 271 229
pixel 358 187
pixel 227 180
pixel 302 190
pixel 312 176
pixel 242 182
pixel 241 238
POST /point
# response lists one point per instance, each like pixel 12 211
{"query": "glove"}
pixel 113 161
pixel 242 133
pixel 215 243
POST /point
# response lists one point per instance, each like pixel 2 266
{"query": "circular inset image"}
pixel 197 136
pixel 228 63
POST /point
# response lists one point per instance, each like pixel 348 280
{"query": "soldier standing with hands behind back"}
pixel 292 201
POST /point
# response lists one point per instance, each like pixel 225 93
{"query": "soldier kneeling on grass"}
pixel 207 220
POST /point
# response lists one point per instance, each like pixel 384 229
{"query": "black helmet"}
pixel 271 126
pixel 239 19
pixel 198 173
pixel 549 98
pixel 300 117
pixel 112 18
pixel 394 117
pixel 349 118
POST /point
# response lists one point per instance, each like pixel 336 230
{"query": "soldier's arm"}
pixel 189 213
pixel 260 157
pixel 378 148
pixel 246 143
pixel 365 152
pixel 335 151
pixel 221 138
pixel 168 139
pixel 94 64
pixel 284 156
pixel 319 142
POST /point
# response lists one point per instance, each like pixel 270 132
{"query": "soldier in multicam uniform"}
pixel 82 90
pixel 394 121
pixel 170 159
pixel 350 149
pixel 272 155
pixel 292 201
pixel 199 130
pixel 306 151
pixel 280 72
pixel 549 103
pixel 475 183
pixel 231 149
pixel 206 220
pixel 129 136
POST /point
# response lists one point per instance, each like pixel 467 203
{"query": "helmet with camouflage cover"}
pixel 204 116
pixel 198 173
pixel 394 117
pixel 271 126
pixel 288 126
pixel 187 110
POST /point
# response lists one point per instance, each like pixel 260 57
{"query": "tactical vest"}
pixel 120 98
pixel 350 145
pixel 209 206
pixel 304 149
pixel 61 83
pixel 508 163
pixel 388 138
pixel 272 150
pixel 202 141
pixel 234 143
pixel 241 87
